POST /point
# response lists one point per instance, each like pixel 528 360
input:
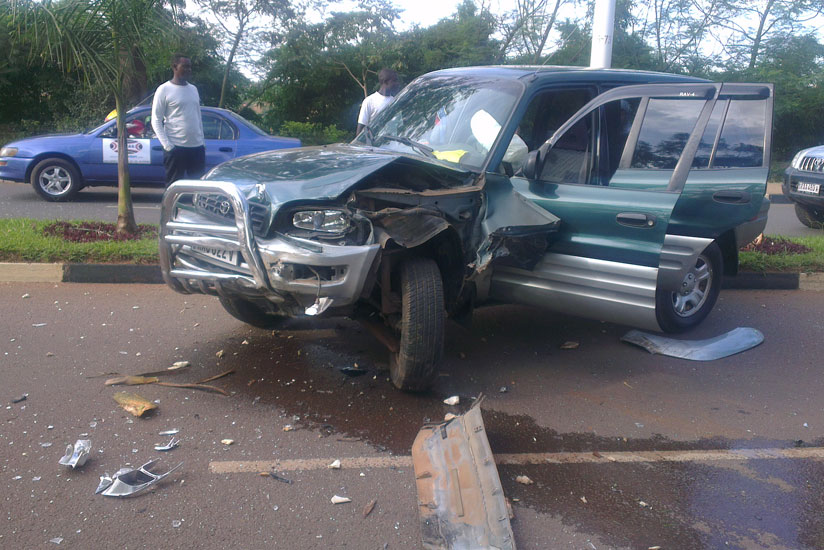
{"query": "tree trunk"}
pixel 759 35
pixel 229 61
pixel 125 212
pixel 549 26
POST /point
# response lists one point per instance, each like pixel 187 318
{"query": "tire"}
pixel 423 316
pixel 681 311
pixel 250 313
pixel 810 216
pixel 55 180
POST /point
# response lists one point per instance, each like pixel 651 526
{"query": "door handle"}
pixel 635 219
pixel 731 197
pixel 225 149
pixel 157 148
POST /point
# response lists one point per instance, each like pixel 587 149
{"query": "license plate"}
pixel 225 256
pixel 811 188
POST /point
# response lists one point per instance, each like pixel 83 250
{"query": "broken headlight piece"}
pixel 323 221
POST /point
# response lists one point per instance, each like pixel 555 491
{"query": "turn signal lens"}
pixel 8 151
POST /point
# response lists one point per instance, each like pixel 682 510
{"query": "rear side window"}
pixel 665 130
pixel 216 128
pixel 741 141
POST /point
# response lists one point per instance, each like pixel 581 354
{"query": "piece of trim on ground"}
pixel 461 502
pixel 732 342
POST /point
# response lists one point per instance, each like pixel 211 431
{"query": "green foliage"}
pixel 22 240
pixel 314 133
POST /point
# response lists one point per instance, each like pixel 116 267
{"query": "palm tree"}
pixel 100 40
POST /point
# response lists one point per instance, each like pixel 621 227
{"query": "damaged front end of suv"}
pixel 398 232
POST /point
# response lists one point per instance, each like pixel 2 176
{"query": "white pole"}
pixel 602 29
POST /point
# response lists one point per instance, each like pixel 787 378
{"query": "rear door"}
pixel 725 188
pixel 220 136
pixel 613 174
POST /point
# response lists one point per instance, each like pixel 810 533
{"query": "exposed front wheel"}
pixel 810 216
pixel 415 365
pixel 55 180
pixel 250 313
pixel 682 310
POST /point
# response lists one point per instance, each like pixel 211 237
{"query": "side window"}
pixel 137 126
pixel 216 128
pixel 545 114
pixel 590 151
pixel 742 138
pixel 740 143
pixel 666 127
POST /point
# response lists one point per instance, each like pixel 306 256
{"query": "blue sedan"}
pixel 59 166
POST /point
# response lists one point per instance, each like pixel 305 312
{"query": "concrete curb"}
pixel 80 273
pixel 150 274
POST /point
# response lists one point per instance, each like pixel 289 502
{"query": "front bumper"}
pixel 299 275
pixel 14 169
pixel 793 177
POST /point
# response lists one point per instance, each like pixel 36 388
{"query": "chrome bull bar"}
pixel 244 239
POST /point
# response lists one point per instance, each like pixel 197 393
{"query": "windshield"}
pixel 455 119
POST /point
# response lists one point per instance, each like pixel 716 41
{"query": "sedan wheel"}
pixel 55 180
pixel 686 308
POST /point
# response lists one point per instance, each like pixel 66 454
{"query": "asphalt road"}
pixel 606 401
pixel 100 203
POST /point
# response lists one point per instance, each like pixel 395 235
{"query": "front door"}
pixel 613 174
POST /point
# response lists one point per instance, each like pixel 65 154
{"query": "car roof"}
pixel 566 74
pixel 202 107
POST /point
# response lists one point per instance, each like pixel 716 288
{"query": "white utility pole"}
pixel 603 23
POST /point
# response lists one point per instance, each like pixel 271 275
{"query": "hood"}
pixel 326 172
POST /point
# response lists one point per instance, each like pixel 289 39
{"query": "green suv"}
pixel 617 195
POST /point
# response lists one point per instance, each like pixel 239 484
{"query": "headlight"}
pixel 326 221
pixel 796 163
pixel 8 151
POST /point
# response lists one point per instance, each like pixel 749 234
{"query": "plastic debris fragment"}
pixel 179 365
pixel 570 345
pixel 77 455
pixel 335 465
pixel 340 500
pixel 128 481
pixel 454 400
pixel 56 540
pixel 369 507
pixel 173 431
pixel 174 442
pixel 729 343
pixel 20 399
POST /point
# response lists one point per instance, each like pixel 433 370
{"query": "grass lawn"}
pixel 784 262
pixel 24 240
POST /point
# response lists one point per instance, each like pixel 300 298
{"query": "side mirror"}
pixel 533 165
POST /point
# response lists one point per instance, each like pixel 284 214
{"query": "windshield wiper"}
pixel 426 150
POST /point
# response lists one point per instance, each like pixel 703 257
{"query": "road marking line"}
pixel 255 466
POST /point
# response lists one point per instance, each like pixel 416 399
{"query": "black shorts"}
pixel 184 162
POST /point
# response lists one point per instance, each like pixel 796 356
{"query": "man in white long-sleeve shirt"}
pixel 177 123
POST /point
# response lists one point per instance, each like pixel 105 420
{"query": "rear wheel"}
pixel 415 365
pixel 55 180
pixel 682 310
pixel 810 216
pixel 250 313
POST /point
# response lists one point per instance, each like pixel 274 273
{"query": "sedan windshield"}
pixel 450 118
